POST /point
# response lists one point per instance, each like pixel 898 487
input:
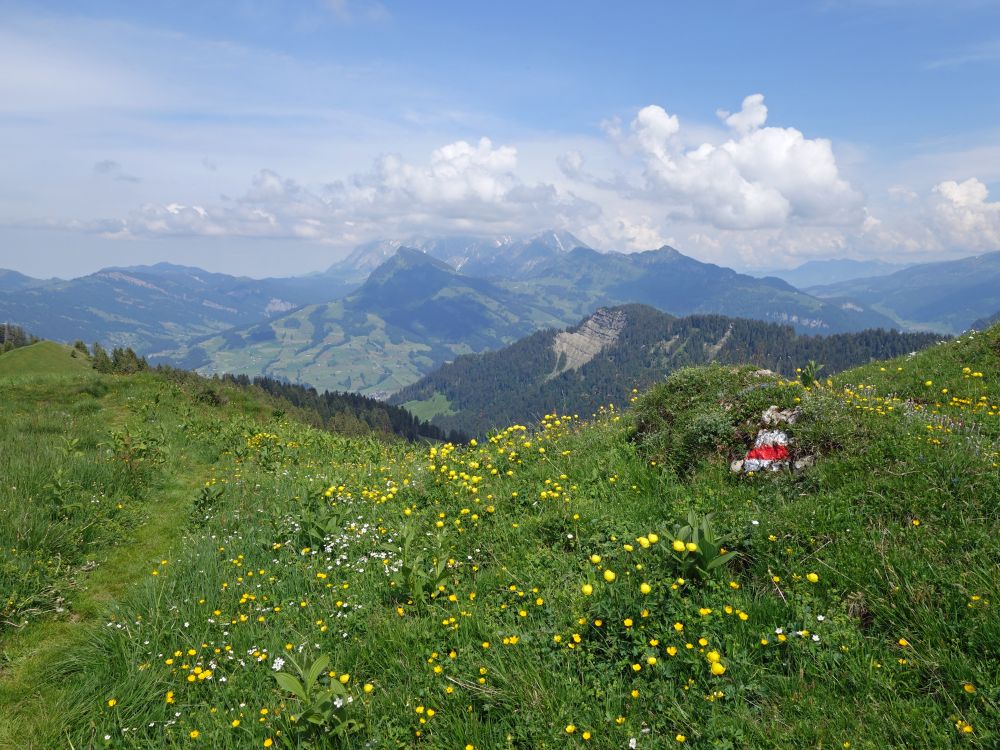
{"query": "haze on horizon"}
pixel 257 138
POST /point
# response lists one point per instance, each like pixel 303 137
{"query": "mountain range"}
pixel 815 272
pixel 152 308
pixel 390 313
pixel 599 361
pixel 414 312
pixel 947 296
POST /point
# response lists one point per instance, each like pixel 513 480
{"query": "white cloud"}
pixel 964 216
pixel 468 187
pixel 759 177
pixel 751 116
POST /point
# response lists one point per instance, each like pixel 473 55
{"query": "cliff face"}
pixel 599 331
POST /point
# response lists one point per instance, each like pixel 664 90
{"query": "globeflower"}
pixel 609 576
pixel 812 577
pixel 678 545
pixel 587 589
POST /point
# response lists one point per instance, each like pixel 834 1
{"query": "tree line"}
pixel 520 383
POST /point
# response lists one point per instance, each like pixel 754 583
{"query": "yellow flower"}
pixel 587 589
pixel 645 588
pixel 595 559
pixel 678 545
pixel 968 687
pixel 681 738
pixel 194 734
pixel 691 547
pixel 586 735
pixel 368 687
pixel 609 576
pixel 718 668
pixel 812 577
pixel 713 656
pixel 268 742
pixel 672 650
pixel 653 538
pixel 112 703
pixel 236 723
pixel 903 642
pixel 570 729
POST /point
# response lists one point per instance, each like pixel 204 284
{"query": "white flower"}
pixel 632 743
pixel 278 664
pixel 820 618
pixel 815 637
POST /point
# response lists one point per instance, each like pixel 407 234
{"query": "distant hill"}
pixel 43 358
pixel 983 323
pixel 600 360
pixel 12 280
pixel 575 284
pixel 947 296
pixel 501 257
pixel 155 308
pixel 412 314
pixel 814 272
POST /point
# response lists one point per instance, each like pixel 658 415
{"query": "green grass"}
pixel 860 605
pixel 436 406
pixel 42 358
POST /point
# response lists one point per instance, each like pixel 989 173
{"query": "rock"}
pixel 804 463
pixel 769 452
pixel 765 373
pixel 773 416
pixel 736 466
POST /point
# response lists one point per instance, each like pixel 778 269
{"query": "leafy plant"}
pixel 420 574
pixel 809 375
pixel 324 700
pixel 697 547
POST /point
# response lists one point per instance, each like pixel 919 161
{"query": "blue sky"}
pixel 267 138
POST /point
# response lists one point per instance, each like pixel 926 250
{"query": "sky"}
pixel 269 138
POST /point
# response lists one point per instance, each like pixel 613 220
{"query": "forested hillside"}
pixel 522 382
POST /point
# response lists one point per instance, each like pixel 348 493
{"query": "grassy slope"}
pixel 78 527
pixel 43 358
pixel 896 520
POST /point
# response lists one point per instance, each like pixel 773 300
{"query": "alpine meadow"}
pixel 536 376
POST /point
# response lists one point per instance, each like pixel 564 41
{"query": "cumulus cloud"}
pixel 964 215
pixel 463 187
pixel 753 115
pixel 758 177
